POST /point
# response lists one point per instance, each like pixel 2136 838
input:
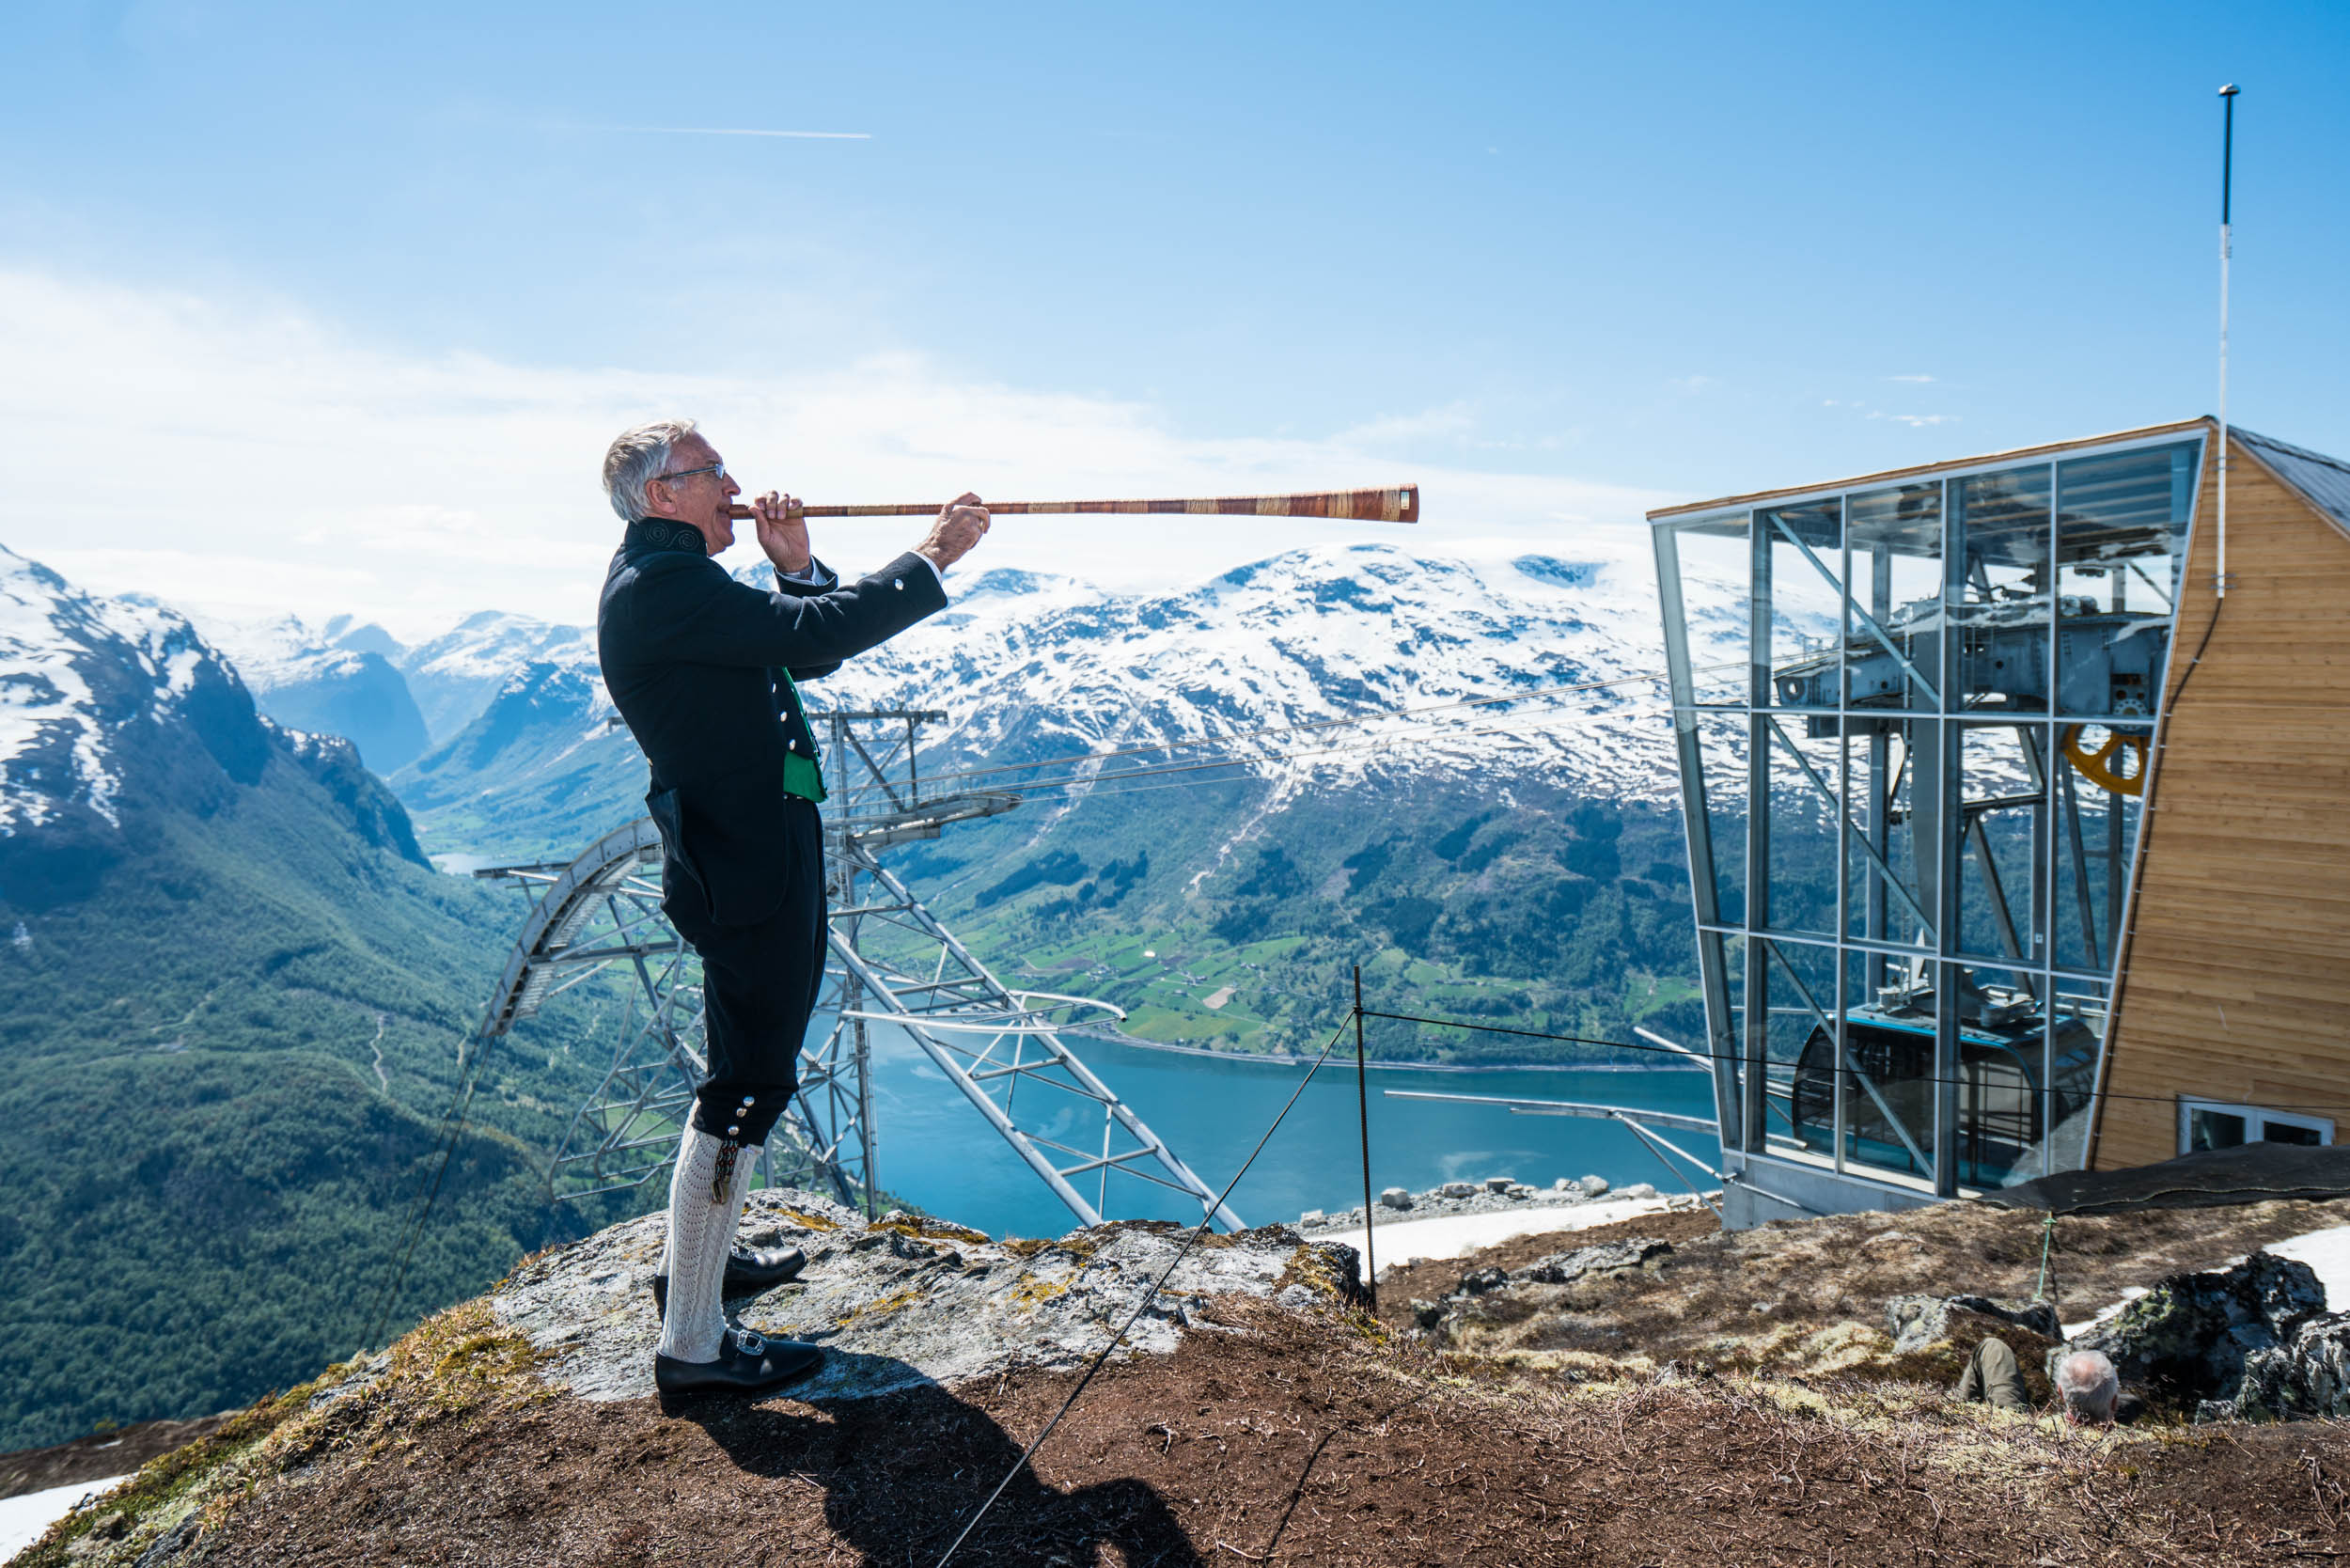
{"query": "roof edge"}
pixel 2263 450
pixel 1690 508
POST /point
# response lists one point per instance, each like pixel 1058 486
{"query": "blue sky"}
pixel 359 293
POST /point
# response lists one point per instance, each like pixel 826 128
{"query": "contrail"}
pixel 728 130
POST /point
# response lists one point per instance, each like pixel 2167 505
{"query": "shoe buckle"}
pixel 750 1342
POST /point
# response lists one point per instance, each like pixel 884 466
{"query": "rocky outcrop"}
pixel 1917 1322
pixel 907 1300
pixel 1483 1295
pixel 2305 1376
pixel 2190 1342
pixel 1565 1268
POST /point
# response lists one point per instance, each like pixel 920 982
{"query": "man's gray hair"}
pixel 636 456
pixel 2086 1380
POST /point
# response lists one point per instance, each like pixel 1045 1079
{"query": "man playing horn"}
pixel 703 669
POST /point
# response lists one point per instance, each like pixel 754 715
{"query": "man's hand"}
pixel 782 533
pixel 961 525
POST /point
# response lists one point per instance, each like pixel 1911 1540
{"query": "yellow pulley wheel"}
pixel 2101 766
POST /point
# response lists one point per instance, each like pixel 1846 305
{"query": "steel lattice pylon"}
pixel 891 962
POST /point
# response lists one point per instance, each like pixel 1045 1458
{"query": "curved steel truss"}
pixel 892 963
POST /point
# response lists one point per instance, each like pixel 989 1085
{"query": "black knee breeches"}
pixel 758 987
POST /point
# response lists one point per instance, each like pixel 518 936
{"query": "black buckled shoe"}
pixel 749 1271
pixel 747 1363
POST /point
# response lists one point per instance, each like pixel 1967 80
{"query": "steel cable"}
pixel 450 1134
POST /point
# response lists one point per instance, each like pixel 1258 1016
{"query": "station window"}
pixel 2216 1125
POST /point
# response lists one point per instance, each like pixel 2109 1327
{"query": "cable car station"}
pixel 2015 832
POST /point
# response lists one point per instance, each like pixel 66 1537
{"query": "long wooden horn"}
pixel 1400 504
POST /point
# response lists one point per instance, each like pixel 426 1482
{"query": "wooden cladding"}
pixel 2235 980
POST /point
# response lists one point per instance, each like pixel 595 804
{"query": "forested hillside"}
pixel 1532 907
pixel 230 1001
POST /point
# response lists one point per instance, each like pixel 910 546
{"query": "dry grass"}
pixel 457 1369
pixel 1809 1299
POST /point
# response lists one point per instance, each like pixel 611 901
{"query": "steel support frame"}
pixel 602 909
pixel 992 1042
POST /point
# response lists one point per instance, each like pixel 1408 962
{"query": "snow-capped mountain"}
pixel 1458 669
pixel 116 714
pixel 393 702
pixel 338 679
pixel 455 676
pixel 82 680
pixel 1276 662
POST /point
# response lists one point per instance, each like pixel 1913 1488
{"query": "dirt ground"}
pixel 1299 1436
pixel 1805 1297
pixel 1289 1438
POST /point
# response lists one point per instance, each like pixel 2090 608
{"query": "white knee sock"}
pixel 703 1213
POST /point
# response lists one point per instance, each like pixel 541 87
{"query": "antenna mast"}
pixel 2227 172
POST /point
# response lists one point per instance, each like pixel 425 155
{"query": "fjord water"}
pixel 936 1150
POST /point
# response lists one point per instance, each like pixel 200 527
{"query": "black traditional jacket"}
pixel 695 660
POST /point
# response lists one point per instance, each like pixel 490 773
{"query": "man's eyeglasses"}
pixel 715 470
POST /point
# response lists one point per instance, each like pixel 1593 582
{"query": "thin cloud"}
pixel 411 488
pixel 1919 379
pixel 1453 422
pixel 746 131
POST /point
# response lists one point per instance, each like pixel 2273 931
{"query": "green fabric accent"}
pixel 803 776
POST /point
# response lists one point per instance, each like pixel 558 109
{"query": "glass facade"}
pixel 1913 723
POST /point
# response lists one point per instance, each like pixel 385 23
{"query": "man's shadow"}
pixel 903 1472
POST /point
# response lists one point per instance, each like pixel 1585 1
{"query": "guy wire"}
pixel 450 1132
pixel 1148 1296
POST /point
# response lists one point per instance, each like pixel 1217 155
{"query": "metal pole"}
pixel 1362 1101
pixel 2227 181
pixel 851 996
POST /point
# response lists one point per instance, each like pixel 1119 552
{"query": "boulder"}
pixel 2309 1376
pixel 1518 1190
pixel 1593 1186
pixel 1310 1217
pixel 1917 1322
pixel 1501 1183
pixel 1395 1197
pixel 1484 1281
pixel 1564 1184
pixel 1457 1189
pixel 2188 1342
pixel 1565 1268
pixel 1637 1189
